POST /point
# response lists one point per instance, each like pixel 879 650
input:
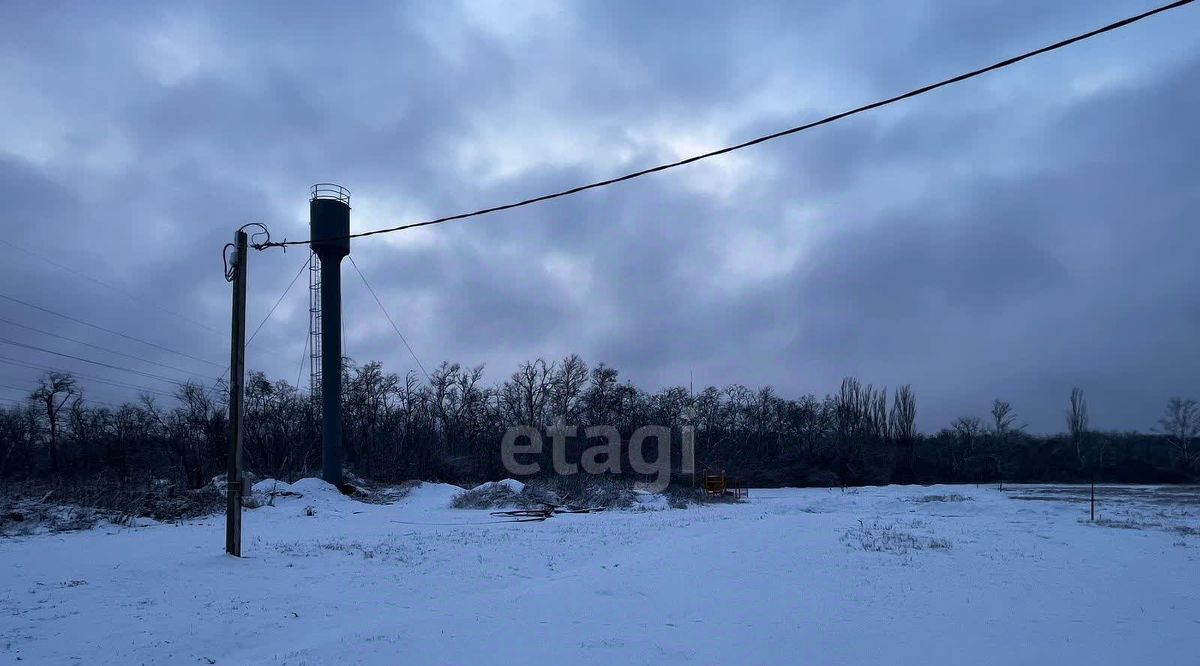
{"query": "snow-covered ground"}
pixel 898 575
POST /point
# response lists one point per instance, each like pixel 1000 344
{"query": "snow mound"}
pixel 511 484
pixel 432 495
pixel 267 486
pixel 490 495
pixel 314 488
pixel 648 501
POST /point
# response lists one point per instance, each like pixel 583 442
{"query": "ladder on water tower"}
pixel 314 328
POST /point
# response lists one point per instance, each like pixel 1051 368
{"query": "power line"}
pixel 216 382
pixel 106 330
pixel 303 357
pixel 264 321
pixel 149 375
pixel 139 301
pixel 104 349
pixel 762 139
pixel 28 391
pixel 277 302
pixel 389 318
pixel 79 375
pixel 119 385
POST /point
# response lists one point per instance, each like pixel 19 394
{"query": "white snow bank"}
pixel 512 484
pixel 432 495
pixel 271 486
pixel 648 501
pixel 314 488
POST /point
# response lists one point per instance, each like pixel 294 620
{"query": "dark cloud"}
pixel 1013 236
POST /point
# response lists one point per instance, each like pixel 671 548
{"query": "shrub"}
pixel 77 506
pixel 952 497
pixel 487 496
pixel 580 490
pixel 888 538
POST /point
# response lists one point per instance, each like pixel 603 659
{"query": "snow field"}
pixel 907 575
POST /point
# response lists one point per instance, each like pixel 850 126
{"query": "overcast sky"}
pixel 1012 236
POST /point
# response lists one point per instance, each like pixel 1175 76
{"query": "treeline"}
pixel 449 427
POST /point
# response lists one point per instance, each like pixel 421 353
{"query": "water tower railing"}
pixel 330 191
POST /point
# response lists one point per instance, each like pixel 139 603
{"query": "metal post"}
pixel 237 371
pixel 1093 498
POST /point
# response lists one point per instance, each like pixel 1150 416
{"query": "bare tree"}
pixel 1003 417
pixel 54 391
pixel 566 389
pixel 849 408
pixel 601 396
pixel 1180 422
pixel 529 389
pixel 902 425
pixel 196 437
pixel 400 428
pixel 879 416
pixel 456 397
pixel 1077 423
pixel 903 418
pixel 85 426
pixel 368 399
pixel 967 429
pixel 861 421
pixel 18 433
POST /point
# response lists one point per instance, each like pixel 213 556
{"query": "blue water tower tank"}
pixel 329 220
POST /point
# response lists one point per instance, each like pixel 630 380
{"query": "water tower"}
pixel 329 226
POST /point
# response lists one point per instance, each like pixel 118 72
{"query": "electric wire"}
pixel 106 330
pixel 79 375
pixel 262 323
pixel 82 397
pixel 303 357
pixel 389 318
pixel 277 302
pixel 148 375
pixel 141 302
pixel 15 388
pixel 105 349
pixel 762 139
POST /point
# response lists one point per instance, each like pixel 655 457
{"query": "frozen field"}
pixel 898 575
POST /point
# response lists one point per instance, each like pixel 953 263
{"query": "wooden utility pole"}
pixel 237 369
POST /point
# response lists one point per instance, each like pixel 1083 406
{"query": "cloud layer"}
pixel 1010 237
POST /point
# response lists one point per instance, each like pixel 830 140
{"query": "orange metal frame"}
pixel 717 485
